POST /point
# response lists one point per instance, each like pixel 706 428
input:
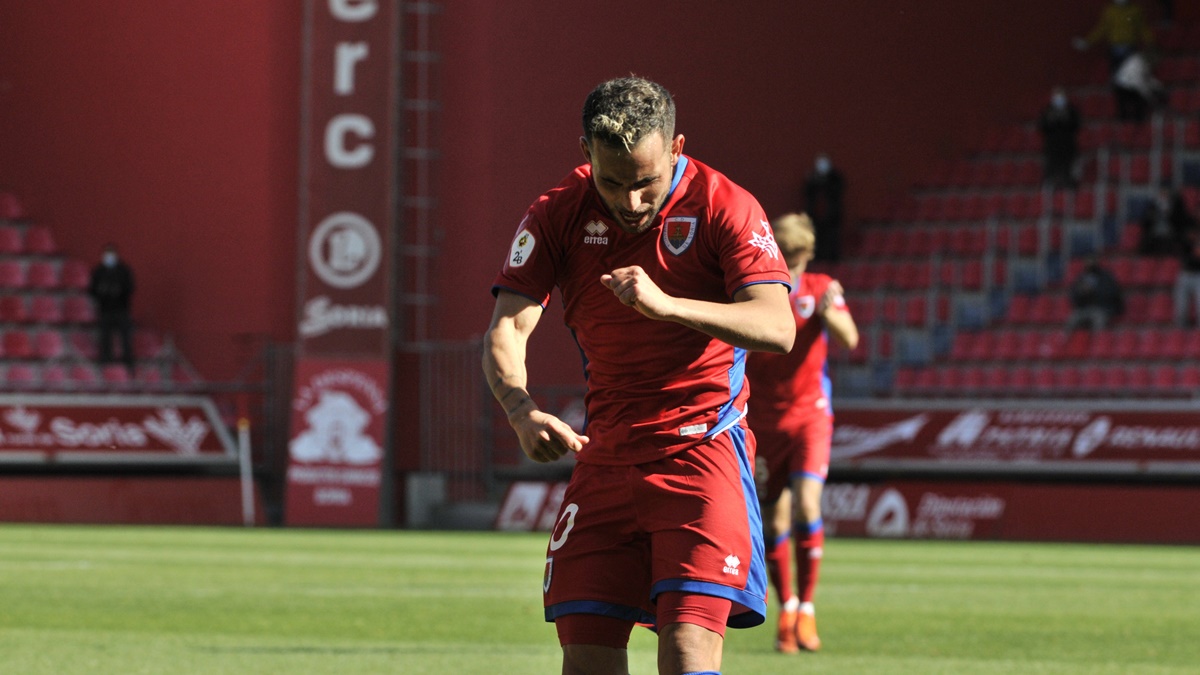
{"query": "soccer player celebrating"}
pixel 793 422
pixel 669 273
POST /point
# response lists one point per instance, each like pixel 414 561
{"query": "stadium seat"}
pixel 49 345
pixel 75 275
pixel 11 207
pixel 13 309
pixel 1162 378
pixel 46 309
pixel 963 346
pixel 1188 378
pixel 147 344
pixel 915 311
pixel 43 274
pixel 40 240
pixel 17 344
pixel 116 376
pixel 1139 377
pixel 84 376
pixel 11 242
pixel 149 376
pixel 1007 344
pixel 12 274
pixel 78 309
pixel 23 376
pixel 55 376
pixel 1061 381
pixel 83 342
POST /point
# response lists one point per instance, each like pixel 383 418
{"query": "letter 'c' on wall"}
pixel 336 148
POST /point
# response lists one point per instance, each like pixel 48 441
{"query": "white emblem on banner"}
pixel 522 248
pixel 336 433
pixel 344 250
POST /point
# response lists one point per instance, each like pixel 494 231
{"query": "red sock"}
pixel 779 566
pixel 810 545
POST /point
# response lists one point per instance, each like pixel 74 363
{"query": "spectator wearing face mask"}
pixel 1059 125
pixel 111 288
pixel 823 192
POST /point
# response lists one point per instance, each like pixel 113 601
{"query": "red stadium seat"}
pixel 23 376
pixel 84 376
pixel 75 275
pixel 78 309
pixel 46 309
pixel 916 311
pixel 11 241
pixel 40 240
pixel 55 376
pixel 147 344
pixel 49 344
pixel 13 309
pixel 11 207
pixel 43 274
pixel 116 376
pixel 12 274
pixel 17 344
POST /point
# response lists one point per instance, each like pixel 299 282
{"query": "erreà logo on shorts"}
pixel 731 565
pixel 595 231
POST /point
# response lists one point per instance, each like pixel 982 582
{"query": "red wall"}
pixel 885 88
pixel 172 127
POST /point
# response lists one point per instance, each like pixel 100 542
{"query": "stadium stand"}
pixel 966 276
pixel 47 334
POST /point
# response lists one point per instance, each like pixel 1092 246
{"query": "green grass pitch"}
pixel 200 600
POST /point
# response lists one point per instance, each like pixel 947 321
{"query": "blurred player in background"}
pixel 668 274
pixel 792 419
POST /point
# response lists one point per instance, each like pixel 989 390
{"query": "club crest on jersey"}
pixel 595 233
pixel 549 573
pixel 805 306
pixel 522 248
pixel 678 233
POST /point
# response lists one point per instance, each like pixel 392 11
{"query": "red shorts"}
pixel 689 523
pixel 784 456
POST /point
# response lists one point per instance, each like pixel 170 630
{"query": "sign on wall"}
pixel 1081 437
pixel 53 429
pixel 347 230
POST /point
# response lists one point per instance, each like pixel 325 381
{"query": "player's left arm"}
pixel 759 318
pixel 838 321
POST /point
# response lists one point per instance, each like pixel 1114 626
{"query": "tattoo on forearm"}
pixel 520 404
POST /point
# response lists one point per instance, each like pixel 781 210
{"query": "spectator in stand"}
pixel 1096 298
pixel 1136 89
pixel 823 194
pixel 1164 223
pixel 791 415
pixel 111 287
pixel 1187 284
pixel 1123 28
pixel 1059 125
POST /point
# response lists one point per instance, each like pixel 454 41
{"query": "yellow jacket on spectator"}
pixel 1123 25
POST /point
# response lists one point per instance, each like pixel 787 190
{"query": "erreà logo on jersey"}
pixel 678 233
pixel 595 231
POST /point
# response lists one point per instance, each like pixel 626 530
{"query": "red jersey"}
pixel 790 388
pixel 654 387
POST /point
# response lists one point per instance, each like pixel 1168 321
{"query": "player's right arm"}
pixel 543 437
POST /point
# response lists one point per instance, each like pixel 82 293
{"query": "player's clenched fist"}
pixel 634 287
